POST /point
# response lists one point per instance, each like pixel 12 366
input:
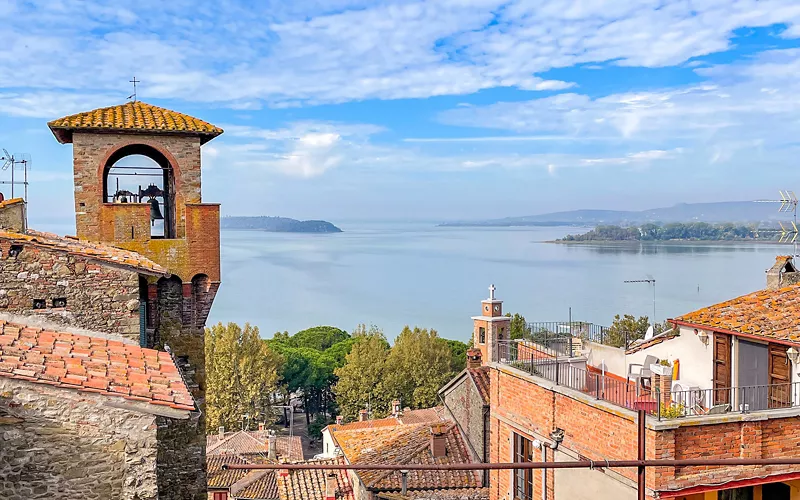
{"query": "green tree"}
pixel 360 378
pixel 318 337
pixel 628 328
pixel 418 364
pixel 519 327
pixel 458 355
pixel 241 376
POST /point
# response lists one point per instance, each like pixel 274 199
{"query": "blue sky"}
pixel 446 109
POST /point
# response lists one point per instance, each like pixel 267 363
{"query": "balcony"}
pixel 565 368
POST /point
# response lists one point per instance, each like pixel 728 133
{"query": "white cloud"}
pixel 242 54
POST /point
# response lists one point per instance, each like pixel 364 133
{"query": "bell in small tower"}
pixel 155 211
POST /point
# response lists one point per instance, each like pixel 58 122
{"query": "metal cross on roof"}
pixel 491 291
pixel 134 82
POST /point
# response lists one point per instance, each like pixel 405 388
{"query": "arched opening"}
pixel 141 174
pixel 201 284
pixel 170 299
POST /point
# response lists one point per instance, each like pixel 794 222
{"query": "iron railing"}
pixel 552 365
pixel 558 334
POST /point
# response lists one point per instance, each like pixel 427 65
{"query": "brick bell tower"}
pixel 137 186
pixel 491 328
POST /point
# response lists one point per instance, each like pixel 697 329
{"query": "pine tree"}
pixel 360 378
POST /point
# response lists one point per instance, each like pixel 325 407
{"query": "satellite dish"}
pixel 649 333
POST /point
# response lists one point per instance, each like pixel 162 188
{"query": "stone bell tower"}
pixel 491 328
pixel 137 186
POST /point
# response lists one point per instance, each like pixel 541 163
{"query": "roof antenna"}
pixel 134 82
pixel 789 204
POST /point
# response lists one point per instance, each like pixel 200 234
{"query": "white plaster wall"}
pixel 600 356
pixel 328 447
pixel 587 483
pixel 696 358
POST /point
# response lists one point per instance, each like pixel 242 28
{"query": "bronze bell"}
pixel 155 211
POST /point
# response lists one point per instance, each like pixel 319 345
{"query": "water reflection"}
pixel 698 248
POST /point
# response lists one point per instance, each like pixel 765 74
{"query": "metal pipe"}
pixel 404 481
pixel 584 464
pixel 641 455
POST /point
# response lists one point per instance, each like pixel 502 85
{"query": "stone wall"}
pixel 12 215
pixel 466 405
pixel 59 443
pixel 181 458
pixel 99 297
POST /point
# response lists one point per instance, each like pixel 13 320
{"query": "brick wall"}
pixel 57 443
pixel 597 431
pixel 98 296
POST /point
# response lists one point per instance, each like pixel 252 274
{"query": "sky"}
pixel 424 110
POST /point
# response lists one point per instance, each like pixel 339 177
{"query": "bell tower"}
pixel 491 328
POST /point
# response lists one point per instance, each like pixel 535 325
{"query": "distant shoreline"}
pixel 662 242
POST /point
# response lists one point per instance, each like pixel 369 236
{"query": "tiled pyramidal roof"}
pixel 254 442
pixel 91 364
pixel 133 117
pixel 766 313
pixel 91 250
pixel 311 484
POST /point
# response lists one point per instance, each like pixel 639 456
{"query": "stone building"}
pixel 91 416
pixel 466 398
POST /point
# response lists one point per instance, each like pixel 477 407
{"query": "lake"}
pixel 396 274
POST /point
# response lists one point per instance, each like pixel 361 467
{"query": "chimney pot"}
pixel 474 358
pixel 330 486
pixel 272 446
pixel 396 411
pixel 261 426
pixel 221 431
pixel 362 415
pixel 339 420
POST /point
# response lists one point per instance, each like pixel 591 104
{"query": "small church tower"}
pixel 491 328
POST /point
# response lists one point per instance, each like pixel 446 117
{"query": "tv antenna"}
pixel 652 281
pixel 11 162
pixel 788 203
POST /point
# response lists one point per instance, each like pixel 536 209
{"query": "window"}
pixel 60 302
pixel 502 331
pixel 482 335
pixel 523 478
pixel 39 304
pixel 15 250
pixel 220 495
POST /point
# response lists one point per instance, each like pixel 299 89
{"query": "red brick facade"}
pixel 596 430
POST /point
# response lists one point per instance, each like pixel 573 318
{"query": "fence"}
pixel 557 334
pixel 552 365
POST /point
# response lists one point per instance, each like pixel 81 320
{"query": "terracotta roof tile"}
pixel 223 479
pixel 133 117
pixel 12 201
pixel 311 484
pixel 767 313
pixel 95 251
pixel 407 444
pixel 257 485
pixel 671 334
pixel 28 353
pixel 254 442
pixel 406 417
pixel 481 378
pixel 442 494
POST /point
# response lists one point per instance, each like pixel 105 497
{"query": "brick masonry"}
pixel 99 296
pixel 599 432
pixel 12 215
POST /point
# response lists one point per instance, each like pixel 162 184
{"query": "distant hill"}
pixel 727 211
pixel 279 225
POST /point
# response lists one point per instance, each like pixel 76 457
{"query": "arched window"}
pixel 141 174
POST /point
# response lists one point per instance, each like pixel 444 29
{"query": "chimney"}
pixel 362 415
pixel 396 411
pixel 272 446
pixel 782 273
pixel 330 486
pixel 474 358
pixel 261 426
pixel 221 431
pixel 283 472
pixel 339 419
pixel 438 440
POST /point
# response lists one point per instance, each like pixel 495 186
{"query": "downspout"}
pixel 486 410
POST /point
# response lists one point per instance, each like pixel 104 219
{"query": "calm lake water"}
pixel 396 274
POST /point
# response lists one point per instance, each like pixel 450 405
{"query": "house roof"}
pixel 99 252
pixel 219 478
pixel 407 444
pixel 92 364
pixel 441 494
pixel 423 415
pixel 257 485
pixel 770 314
pixel 311 484
pixel 134 116
pixel 661 337
pixel 252 442
pixel 481 378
